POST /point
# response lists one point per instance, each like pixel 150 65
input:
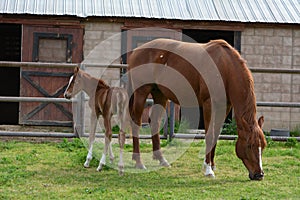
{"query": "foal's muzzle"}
pixel 67 95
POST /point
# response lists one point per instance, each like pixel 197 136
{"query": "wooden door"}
pixel 51 45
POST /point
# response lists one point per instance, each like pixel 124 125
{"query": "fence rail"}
pixel 80 105
pixel 35 99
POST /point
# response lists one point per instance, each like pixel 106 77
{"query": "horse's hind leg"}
pixel 212 158
pixel 158 110
pixel 136 110
pixel 93 124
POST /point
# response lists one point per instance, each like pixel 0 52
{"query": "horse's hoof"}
pixel 140 166
pixel 111 160
pixel 164 163
pixel 210 175
pixel 121 173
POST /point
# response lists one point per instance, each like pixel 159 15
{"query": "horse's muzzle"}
pixel 257 176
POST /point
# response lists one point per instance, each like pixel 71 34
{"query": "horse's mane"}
pixel 249 113
pixel 102 84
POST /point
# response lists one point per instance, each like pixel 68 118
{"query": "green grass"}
pixel 55 171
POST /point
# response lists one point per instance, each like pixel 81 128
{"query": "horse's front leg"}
pixel 93 124
pixel 107 145
pixel 208 165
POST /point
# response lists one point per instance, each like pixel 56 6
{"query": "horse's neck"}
pixel 245 109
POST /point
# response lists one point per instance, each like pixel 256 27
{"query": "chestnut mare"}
pixel 161 54
pixel 105 101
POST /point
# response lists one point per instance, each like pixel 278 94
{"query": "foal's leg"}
pixel 156 115
pixel 107 146
pixel 121 143
pixel 93 124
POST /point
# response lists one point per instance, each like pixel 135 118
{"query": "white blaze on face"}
pixel 259 154
pixel 70 81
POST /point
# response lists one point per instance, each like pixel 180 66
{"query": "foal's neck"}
pixel 90 85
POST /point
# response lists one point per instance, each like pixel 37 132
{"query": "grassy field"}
pixel 55 171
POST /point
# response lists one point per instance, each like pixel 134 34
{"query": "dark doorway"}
pixel 204 36
pixel 10 50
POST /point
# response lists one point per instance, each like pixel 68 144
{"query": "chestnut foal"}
pixel 105 101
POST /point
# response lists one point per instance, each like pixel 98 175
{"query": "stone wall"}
pixel 274 48
pixel 102 45
pixel 262 47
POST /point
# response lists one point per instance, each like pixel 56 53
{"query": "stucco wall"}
pixel 274 48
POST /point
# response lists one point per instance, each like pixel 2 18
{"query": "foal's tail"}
pixel 123 110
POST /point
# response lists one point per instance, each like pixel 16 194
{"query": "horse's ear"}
pixel 261 121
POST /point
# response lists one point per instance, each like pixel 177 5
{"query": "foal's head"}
pixel 74 85
pixel 249 147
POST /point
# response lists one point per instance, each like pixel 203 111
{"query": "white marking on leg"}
pixel 103 159
pixel 208 170
pixel 102 162
pixel 89 156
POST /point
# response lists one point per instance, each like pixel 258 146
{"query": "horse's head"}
pixel 249 147
pixel 74 85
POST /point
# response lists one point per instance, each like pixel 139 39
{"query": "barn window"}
pixel 52 47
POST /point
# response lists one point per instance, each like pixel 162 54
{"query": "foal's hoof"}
pixel 140 166
pixel 100 167
pixel 86 165
pixel 121 170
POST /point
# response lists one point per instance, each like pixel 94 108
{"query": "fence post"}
pixel 79 118
pixel 172 120
pixel 166 123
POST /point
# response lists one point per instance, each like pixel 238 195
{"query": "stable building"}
pixel 265 32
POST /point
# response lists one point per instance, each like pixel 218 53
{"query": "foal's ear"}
pixel 76 69
pixel 261 121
